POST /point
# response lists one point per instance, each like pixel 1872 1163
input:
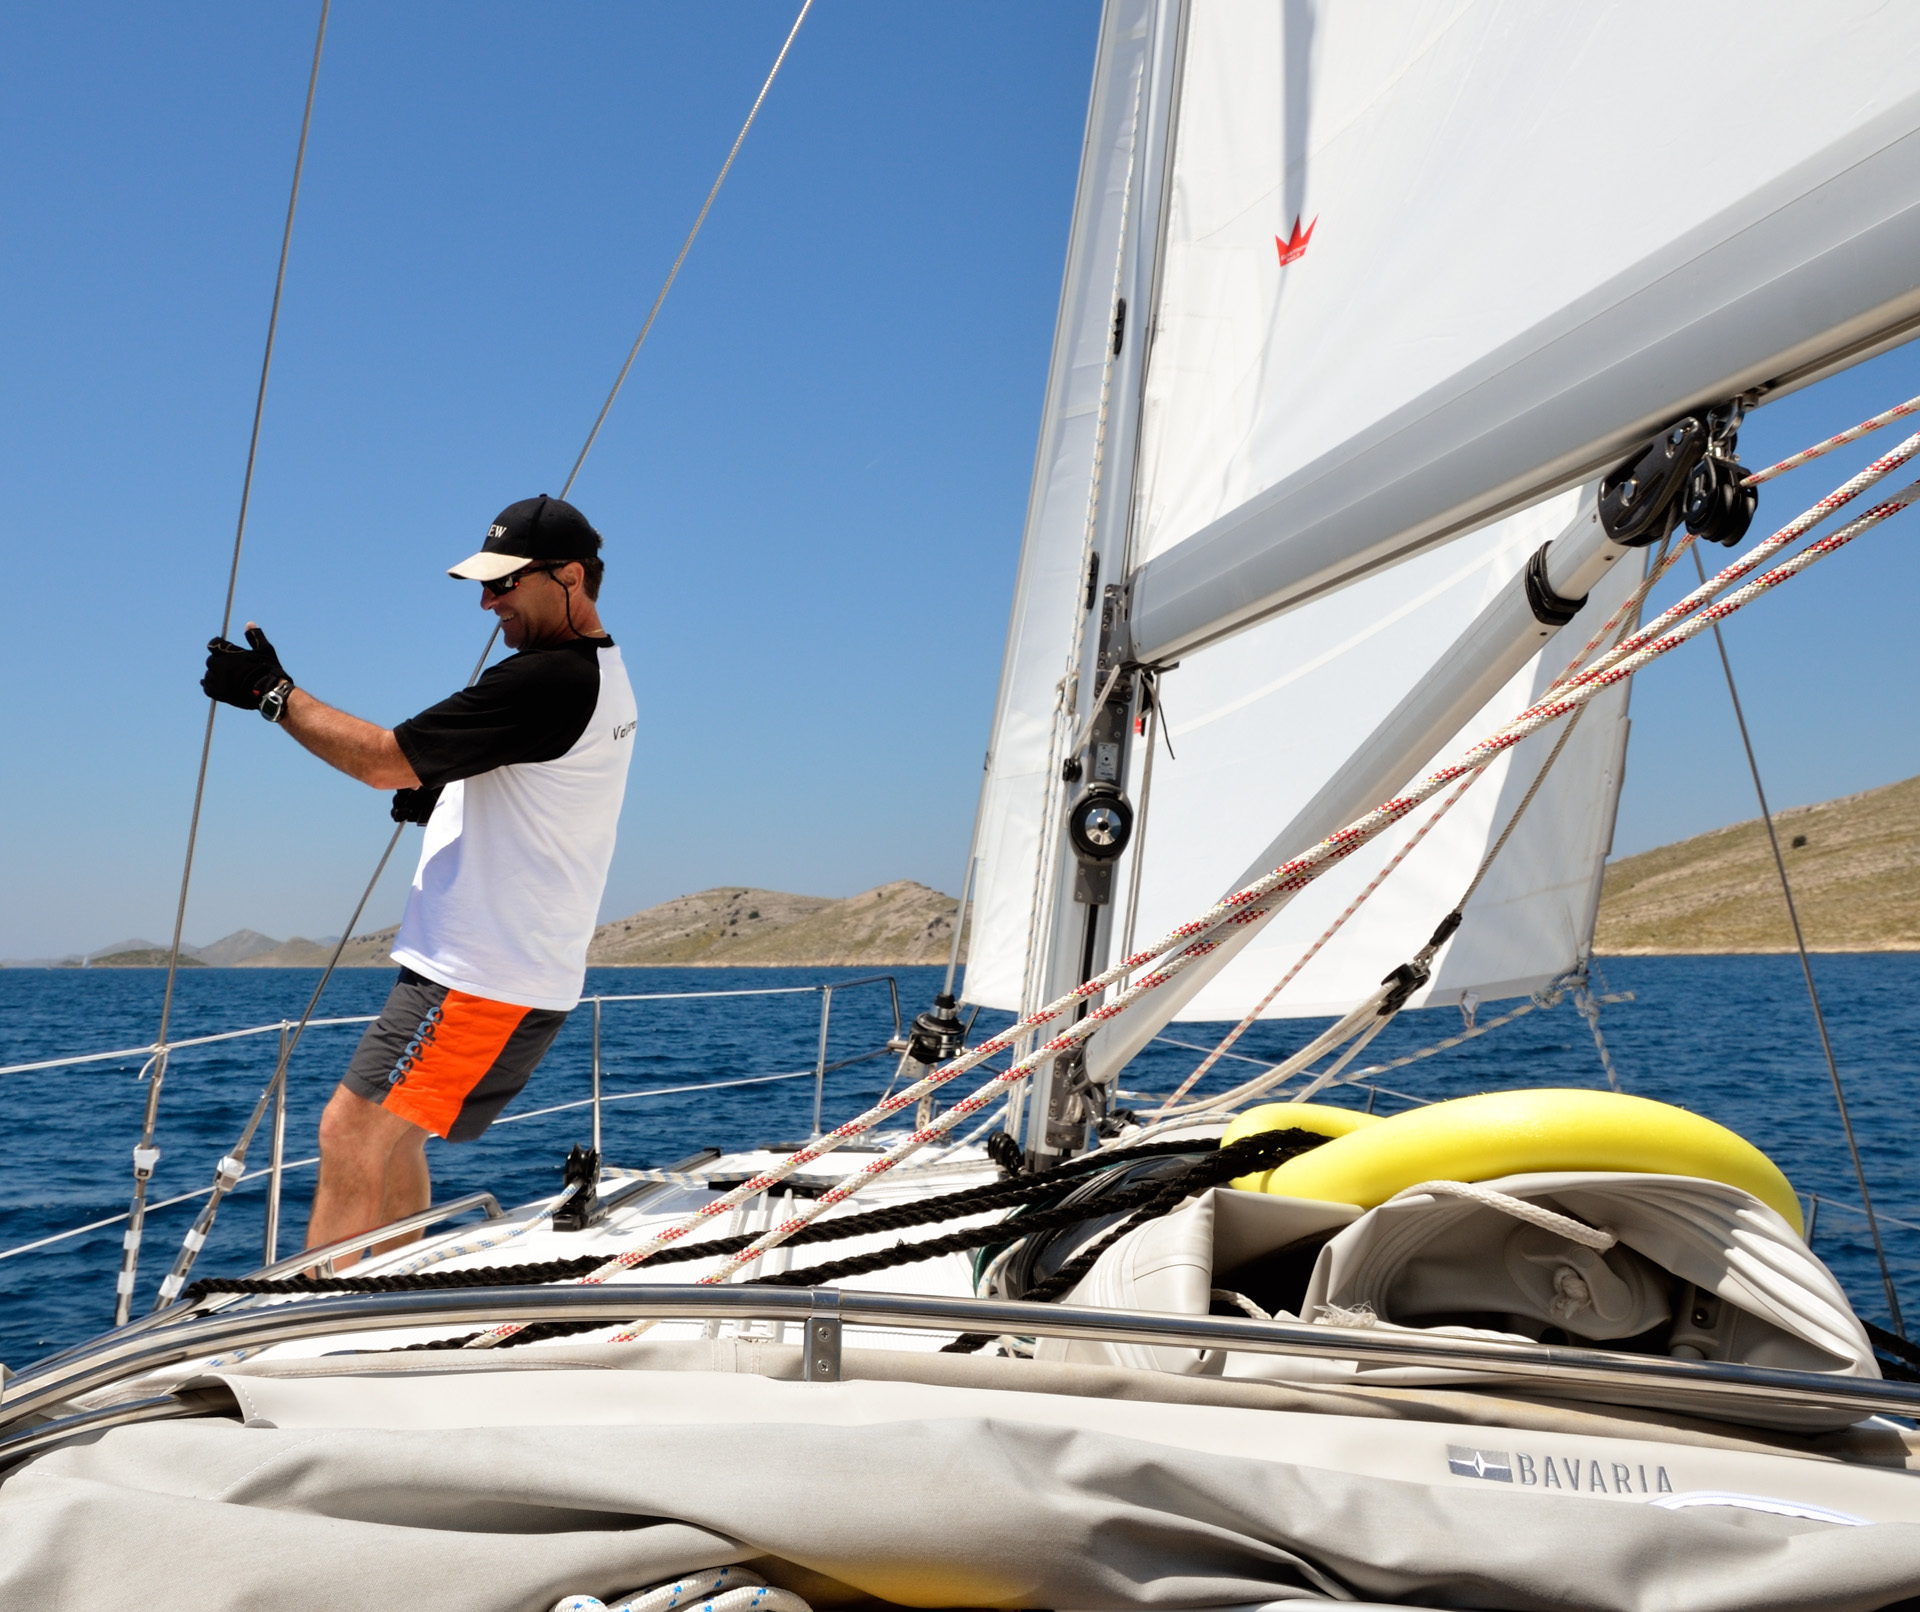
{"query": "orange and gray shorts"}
pixel 447 1061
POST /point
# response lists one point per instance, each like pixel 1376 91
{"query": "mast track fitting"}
pixel 1100 821
pixel 1099 825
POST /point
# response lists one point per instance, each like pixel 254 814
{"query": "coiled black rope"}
pixel 1021 1192
pixel 1155 1198
pixel 1251 1153
pixel 1148 1201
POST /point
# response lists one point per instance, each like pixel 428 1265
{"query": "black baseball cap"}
pixel 535 529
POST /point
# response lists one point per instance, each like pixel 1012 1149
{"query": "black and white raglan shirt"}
pixel 531 764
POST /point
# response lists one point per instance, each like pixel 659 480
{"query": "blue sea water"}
pixel 1729 1037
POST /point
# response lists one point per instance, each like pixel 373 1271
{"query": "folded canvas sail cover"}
pixel 1431 1261
pixel 1413 271
pixel 533 1485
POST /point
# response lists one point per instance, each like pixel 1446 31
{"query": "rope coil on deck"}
pixel 720 1589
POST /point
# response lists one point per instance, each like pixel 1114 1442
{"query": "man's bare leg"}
pixel 409 1187
pixel 358 1143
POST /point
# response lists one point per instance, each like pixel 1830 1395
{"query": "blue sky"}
pixel 812 487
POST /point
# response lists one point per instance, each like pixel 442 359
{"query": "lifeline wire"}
pixel 145 1155
pixel 685 247
pixel 1806 970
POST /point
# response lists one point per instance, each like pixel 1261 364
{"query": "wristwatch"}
pixel 273 704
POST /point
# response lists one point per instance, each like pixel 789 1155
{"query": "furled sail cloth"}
pixel 1075 474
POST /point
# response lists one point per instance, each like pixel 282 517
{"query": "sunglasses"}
pixel 500 587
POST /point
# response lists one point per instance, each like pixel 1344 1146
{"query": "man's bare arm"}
pixel 360 749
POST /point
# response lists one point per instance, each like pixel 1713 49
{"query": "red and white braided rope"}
pixel 1313 951
pixel 1718 583
pixel 1189 941
pixel 1806 455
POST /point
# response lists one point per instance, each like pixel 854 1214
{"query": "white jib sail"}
pixel 1260 721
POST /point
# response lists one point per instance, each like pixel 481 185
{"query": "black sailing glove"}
pixel 414 805
pixel 241 677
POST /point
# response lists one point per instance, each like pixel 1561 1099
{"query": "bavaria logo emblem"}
pixel 1294 247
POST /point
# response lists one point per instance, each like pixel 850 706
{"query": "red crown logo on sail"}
pixel 1294 247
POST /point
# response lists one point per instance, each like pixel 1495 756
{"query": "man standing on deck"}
pixel 519 781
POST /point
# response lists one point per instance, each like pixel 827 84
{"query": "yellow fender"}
pixel 1508 1133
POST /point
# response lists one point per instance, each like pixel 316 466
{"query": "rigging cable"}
pixel 685 247
pixel 228 1170
pixel 1806 970
pixel 145 1154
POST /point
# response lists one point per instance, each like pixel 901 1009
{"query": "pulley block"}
pixel 1717 508
pixel 1639 499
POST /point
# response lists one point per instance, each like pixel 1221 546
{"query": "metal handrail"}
pixel 160 1408
pixel 120 1356
pixel 418 1220
pixel 172 1313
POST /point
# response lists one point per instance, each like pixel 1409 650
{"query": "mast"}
pixel 1056 772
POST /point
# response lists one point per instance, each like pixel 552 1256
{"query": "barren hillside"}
pixel 902 922
pixel 1854 863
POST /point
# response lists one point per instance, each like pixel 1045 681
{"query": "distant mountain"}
pixel 363 951
pixel 731 926
pixel 117 948
pixel 1854 863
pixel 232 950
pixel 736 926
